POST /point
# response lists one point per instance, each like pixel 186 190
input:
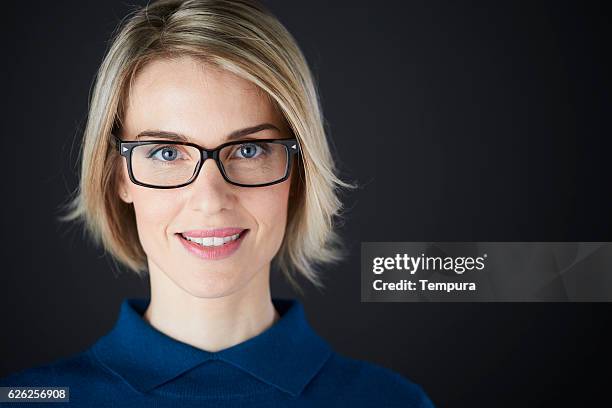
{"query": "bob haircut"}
pixel 244 38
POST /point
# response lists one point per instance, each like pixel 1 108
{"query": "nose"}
pixel 209 192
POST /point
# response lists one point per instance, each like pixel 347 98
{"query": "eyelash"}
pixel 264 149
pixel 150 154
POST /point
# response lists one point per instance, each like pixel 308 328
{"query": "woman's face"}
pixel 206 105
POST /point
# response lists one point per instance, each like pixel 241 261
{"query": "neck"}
pixel 210 324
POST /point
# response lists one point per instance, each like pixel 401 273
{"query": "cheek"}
pixel 269 209
pixel 154 212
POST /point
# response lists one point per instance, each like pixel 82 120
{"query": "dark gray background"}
pixel 464 121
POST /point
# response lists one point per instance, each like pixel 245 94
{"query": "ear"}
pixel 124 193
pixel 126 196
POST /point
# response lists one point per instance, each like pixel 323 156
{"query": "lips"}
pixel 213 232
pixel 213 252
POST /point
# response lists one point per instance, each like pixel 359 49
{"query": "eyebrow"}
pixel 236 134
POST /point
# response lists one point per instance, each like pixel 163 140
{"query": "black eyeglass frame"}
pixel 125 149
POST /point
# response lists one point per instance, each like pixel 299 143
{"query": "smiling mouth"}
pixel 212 242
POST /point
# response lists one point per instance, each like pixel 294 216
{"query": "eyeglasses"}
pixel 172 164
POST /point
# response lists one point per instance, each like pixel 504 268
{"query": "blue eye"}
pixel 168 153
pixel 251 150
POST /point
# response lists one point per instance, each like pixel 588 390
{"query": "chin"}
pixel 212 284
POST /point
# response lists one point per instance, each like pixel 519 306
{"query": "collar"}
pixel 146 357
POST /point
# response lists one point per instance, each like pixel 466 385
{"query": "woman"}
pixel 204 161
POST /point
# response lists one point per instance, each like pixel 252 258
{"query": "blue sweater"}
pixel 287 365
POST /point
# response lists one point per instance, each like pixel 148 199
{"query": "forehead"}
pixel 186 96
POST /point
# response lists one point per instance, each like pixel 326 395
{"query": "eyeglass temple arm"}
pixel 116 142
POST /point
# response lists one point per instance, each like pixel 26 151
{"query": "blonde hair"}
pixel 246 39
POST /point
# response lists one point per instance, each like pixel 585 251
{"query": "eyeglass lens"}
pixel 249 163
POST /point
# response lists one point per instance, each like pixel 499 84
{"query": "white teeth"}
pixel 213 241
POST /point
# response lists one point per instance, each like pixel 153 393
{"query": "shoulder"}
pixel 74 369
pixel 372 383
